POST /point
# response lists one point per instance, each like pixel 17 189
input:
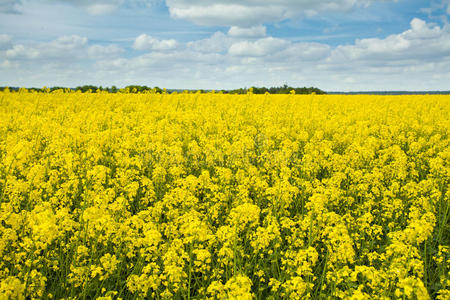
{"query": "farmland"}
pixel 193 196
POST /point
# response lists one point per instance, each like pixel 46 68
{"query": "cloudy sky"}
pixel 336 45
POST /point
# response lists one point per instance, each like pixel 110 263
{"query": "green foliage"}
pixel 285 89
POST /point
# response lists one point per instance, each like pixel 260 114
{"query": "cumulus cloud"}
pixel 146 43
pixel 418 58
pixel 246 13
pixel 65 49
pixel 250 32
pixel 67 43
pixel 22 52
pixel 225 14
pixel 278 51
pixel 217 43
pixel 421 42
pixel 261 47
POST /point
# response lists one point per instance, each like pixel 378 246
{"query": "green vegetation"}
pixel 285 89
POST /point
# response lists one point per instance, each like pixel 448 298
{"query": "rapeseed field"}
pixel 217 196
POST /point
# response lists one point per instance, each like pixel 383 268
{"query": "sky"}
pixel 335 45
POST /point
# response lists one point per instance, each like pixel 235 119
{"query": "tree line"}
pixel 285 89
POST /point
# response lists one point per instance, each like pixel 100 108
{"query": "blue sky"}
pixel 335 45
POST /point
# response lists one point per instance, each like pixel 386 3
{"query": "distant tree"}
pixel 87 88
pixel 55 88
pixel 157 90
pixel 285 89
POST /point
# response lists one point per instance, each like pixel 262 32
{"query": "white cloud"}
pixel 63 50
pixel 225 14
pixel 261 47
pixel 218 42
pixel 63 47
pixel 418 58
pixel 146 43
pixel 421 30
pixel 66 43
pixel 421 42
pixel 101 8
pixel 246 13
pixel 21 52
pixel 250 32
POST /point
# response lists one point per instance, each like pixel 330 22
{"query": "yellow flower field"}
pixel 193 196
